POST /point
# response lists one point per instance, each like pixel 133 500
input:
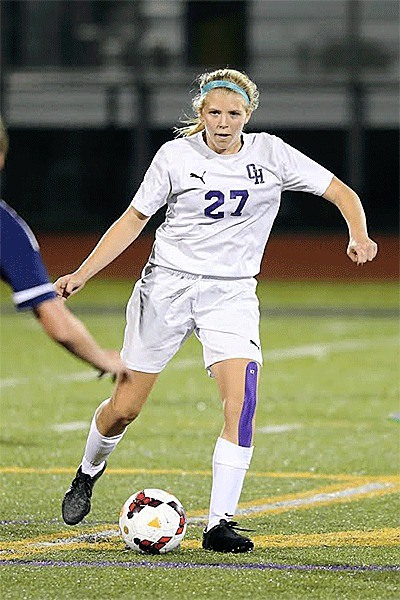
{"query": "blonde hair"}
pixel 3 139
pixel 194 125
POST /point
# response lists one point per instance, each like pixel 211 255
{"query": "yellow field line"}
pixel 377 537
pixel 110 471
pixel 70 539
pixel 334 539
pixel 267 474
pixel 59 540
pixel 116 544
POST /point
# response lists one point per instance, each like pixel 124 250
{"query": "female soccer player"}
pixel 222 188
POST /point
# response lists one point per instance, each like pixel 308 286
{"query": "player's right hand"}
pixel 68 285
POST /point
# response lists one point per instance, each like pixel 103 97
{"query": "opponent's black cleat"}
pixel 76 503
pixel 223 538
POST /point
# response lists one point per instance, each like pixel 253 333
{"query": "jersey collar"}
pixel 207 151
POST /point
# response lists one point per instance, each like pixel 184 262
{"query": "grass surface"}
pixel 322 491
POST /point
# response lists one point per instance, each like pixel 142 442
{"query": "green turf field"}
pixel 322 491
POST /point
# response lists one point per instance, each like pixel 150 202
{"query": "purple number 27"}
pixel 209 211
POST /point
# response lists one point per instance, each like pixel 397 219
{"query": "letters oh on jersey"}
pixel 221 207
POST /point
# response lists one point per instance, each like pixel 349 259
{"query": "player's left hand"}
pixel 112 363
pixel 361 251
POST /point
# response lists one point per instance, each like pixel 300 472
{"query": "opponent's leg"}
pixel 107 429
pixel 237 380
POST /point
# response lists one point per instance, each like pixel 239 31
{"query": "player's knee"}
pixel 124 415
pixel 128 416
pixel 245 426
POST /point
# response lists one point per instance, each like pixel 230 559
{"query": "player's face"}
pixel 224 115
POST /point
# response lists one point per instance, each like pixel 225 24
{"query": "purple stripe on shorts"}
pixel 249 405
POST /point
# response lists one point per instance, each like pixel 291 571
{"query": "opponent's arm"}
pixel 116 239
pixel 360 248
pixel 66 329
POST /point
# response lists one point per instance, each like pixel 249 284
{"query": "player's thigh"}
pixel 232 377
pixel 237 381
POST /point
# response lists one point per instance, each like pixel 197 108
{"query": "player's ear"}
pixel 248 116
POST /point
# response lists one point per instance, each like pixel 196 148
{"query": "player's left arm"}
pixel 360 248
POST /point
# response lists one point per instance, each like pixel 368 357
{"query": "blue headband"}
pixel 221 83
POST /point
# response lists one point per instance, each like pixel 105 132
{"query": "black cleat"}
pixel 76 503
pixel 223 538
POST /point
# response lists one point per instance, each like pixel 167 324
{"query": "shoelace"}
pixel 233 525
pixel 83 482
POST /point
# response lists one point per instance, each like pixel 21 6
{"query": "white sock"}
pixel 98 447
pixel 230 463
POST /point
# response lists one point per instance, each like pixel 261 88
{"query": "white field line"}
pixel 320 350
pixel 90 537
pixel 327 497
pixel 71 426
pixel 80 425
pixel 279 428
pixel 317 498
pixel 79 376
pixel 260 508
pixel 13 381
pixel 317 351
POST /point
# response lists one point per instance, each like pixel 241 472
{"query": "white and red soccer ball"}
pixel 152 521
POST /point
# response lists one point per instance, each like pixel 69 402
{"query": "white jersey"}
pixel 221 208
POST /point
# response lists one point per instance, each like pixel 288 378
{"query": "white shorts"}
pixel 167 306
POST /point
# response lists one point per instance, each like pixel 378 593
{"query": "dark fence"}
pixel 81 180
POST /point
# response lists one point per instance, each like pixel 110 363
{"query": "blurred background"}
pixel 91 88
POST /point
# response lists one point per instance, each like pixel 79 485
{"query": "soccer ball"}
pixel 152 521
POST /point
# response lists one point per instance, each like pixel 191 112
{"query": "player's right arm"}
pixel 116 239
pixel 66 329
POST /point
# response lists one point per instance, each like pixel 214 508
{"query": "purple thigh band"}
pixel 249 405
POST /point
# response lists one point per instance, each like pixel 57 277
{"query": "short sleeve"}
pixel 156 185
pixel 22 266
pixel 300 173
